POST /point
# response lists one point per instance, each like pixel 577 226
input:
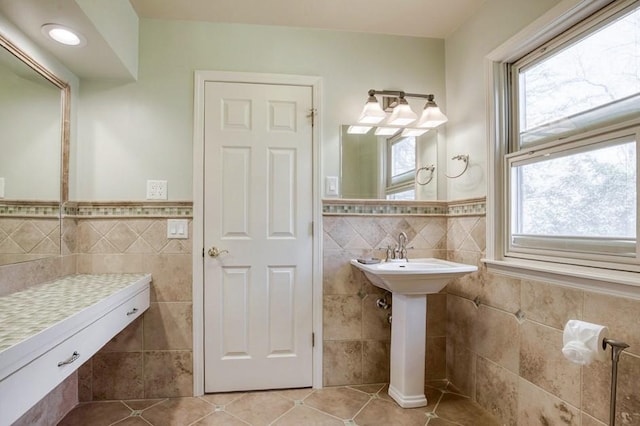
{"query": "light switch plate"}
pixel 156 190
pixel 178 229
pixel 331 186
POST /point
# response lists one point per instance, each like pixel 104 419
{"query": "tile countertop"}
pixel 47 312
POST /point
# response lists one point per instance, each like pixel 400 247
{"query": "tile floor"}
pixel 348 405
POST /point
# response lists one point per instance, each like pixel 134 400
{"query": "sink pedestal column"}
pixel 408 346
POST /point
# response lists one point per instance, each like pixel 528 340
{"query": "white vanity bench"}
pixel 47 331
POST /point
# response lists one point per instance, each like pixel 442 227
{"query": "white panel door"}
pixel 257 207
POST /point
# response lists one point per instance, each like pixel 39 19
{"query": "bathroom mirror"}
pixel 367 166
pixel 34 146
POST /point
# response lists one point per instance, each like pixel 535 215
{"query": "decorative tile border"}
pixel 183 209
pixel 473 207
pixel 470 207
pixel 40 209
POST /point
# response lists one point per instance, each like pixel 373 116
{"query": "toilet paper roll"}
pixel 584 342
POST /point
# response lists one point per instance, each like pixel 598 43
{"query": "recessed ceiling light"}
pixel 63 35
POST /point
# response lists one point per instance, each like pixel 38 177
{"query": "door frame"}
pixel 315 83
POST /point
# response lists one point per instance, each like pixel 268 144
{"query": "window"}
pixel 570 168
pixel 401 168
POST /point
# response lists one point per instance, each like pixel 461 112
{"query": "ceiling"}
pixel 419 18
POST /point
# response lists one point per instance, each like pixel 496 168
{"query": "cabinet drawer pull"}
pixel 133 311
pixel 72 358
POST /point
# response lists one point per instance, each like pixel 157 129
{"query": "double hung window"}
pixel 570 169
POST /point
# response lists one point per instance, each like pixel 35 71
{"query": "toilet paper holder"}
pixel 616 349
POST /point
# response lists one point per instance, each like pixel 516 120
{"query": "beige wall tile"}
pixel 375 361
pixel 85 380
pixel 498 337
pixel 550 304
pixel 342 363
pixel 542 362
pixel 617 313
pixel 437 315
pixel 128 340
pixel 461 368
pixel 628 396
pixel 156 235
pixel 369 229
pixel 587 420
pixel 54 406
pixel 436 358
pixel 375 324
pixel 168 374
pixel 339 277
pixel 596 385
pixel 341 231
pixel 121 236
pixel 19 276
pixel 168 326
pixel 462 319
pixel 497 391
pixel 109 263
pixel 499 291
pixel 537 407
pixel 172 277
pixel 342 317
pixel 117 375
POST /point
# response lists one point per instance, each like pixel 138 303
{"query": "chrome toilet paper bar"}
pixel 616 349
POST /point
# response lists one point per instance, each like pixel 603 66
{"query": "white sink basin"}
pixel 410 282
pixel 417 276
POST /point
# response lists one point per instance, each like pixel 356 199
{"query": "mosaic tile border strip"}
pixel 183 209
pixel 50 209
pixel 470 207
pixel 467 207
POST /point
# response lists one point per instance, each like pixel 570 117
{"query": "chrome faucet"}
pixel 401 248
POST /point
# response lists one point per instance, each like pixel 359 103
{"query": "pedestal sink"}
pixel 410 282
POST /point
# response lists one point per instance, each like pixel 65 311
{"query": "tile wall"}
pixel 504 340
pixel 153 356
pixel 357 335
pixel 497 339
pixel 28 230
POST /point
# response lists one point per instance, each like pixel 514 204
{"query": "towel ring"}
pixel 430 169
pixel 463 157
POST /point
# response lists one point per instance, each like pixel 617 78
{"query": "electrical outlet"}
pixel 156 190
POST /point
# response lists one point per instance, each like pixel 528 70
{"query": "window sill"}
pixel 616 283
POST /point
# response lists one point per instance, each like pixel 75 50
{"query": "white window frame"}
pixel 405 181
pixel 558 20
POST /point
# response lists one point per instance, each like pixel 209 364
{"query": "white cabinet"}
pixel 32 367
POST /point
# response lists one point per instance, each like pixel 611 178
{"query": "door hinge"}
pixel 311 228
pixel 202 251
pixel 313 340
pixel 312 113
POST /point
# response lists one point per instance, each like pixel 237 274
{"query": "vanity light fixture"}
pixel 431 115
pixel 63 35
pixel 401 116
pixel 372 113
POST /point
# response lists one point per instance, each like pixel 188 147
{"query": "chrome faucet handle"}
pixel 389 252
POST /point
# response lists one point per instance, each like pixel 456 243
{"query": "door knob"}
pixel 215 252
